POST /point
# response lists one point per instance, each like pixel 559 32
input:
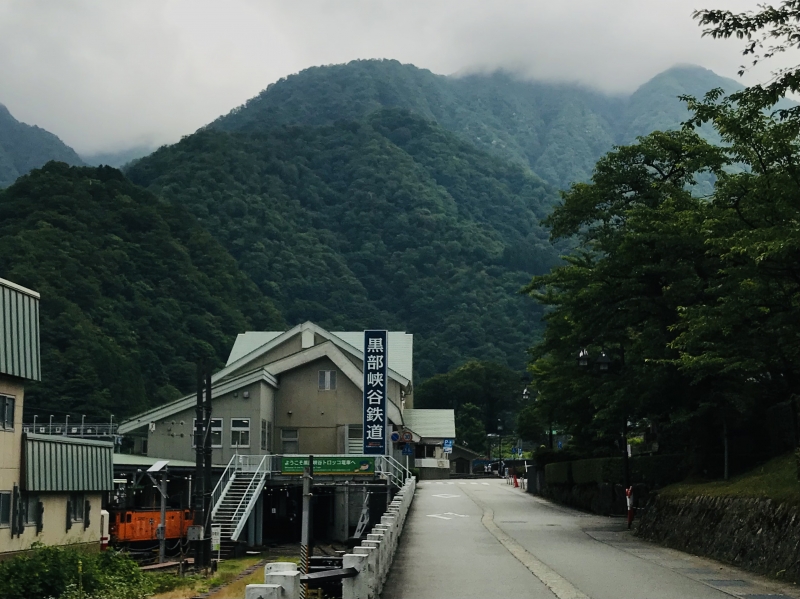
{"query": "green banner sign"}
pixel 329 465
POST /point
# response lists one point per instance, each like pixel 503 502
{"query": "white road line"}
pixel 561 587
pixel 446 496
pixel 487 484
pixel 438 516
pixel 462 483
pixel 473 483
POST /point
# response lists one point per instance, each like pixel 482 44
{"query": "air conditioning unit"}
pixel 58 430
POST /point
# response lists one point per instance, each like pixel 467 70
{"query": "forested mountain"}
pixel 25 147
pixel 133 290
pixel 558 130
pixel 392 221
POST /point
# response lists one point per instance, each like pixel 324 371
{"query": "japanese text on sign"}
pixel 375 359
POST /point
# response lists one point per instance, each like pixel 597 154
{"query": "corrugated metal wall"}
pixel 61 464
pixel 19 332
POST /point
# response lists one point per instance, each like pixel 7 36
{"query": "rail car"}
pixel 132 526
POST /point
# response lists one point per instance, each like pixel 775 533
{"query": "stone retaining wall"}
pixel 755 534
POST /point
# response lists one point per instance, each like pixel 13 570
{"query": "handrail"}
pixel 260 474
pixel 222 484
pixel 406 472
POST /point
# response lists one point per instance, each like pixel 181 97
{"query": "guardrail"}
pixel 104 429
pixel 250 496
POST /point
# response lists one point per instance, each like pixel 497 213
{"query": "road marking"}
pixel 451 483
pixel 561 587
pixel 439 516
pixel 454 514
pixel 446 495
pixel 462 483
pixel 487 484
pixel 473 483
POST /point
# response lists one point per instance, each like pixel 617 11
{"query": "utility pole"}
pixel 306 542
pixel 199 560
pixel 207 488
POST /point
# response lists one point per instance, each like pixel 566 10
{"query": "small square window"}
pixel 216 432
pixel 327 380
pixel 290 441
pixel 240 432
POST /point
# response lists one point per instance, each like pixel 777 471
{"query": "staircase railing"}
pixel 250 496
pixel 222 485
pixel 392 469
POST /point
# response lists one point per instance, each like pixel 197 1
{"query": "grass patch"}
pixel 227 571
pixel 777 480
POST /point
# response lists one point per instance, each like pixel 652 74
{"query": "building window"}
pixel 240 432
pixel 327 380
pixel 216 432
pixel 76 506
pixel 30 506
pixel 6 412
pixel 355 438
pixel 5 508
pixel 290 441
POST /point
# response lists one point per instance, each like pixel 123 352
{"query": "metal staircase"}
pixel 237 492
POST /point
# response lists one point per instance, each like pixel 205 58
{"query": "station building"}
pixel 51 488
pixel 287 394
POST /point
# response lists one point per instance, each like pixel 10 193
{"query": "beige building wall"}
pixel 315 413
pixel 54 525
pixel 287 348
pixel 11 441
pixel 173 436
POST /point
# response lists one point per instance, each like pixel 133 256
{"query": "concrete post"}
pixel 263 591
pixel 371 567
pixel 357 587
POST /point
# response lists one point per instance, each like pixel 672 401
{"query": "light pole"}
pixel 34 423
pixel 66 427
pixel 603 364
pixel 50 426
pixel 83 423
pixel 500 438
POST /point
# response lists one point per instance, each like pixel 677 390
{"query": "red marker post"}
pixel 629 499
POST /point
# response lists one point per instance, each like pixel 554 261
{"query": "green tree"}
pixel 470 431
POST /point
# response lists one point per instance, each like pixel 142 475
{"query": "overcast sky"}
pixel 110 75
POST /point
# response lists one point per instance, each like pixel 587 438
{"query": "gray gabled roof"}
pixel 431 424
pixel 252 343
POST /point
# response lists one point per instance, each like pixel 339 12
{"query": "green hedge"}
pixel 597 470
pixel 654 471
pixel 558 473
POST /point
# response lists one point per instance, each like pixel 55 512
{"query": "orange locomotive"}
pixel 136 526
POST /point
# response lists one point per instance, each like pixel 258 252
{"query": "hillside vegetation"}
pixel 558 130
pixel 133 291
pixel 390 222
pixel 25 147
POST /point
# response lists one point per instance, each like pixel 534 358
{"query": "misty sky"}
pixel 111 75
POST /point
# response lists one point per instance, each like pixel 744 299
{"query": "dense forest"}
pixel 134 291
pixel 25 147
pixel 558 130
pixel 358 195
pixel 391 222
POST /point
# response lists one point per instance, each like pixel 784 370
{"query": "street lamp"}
pixel 583 358
pixel 50 426
pixel 603 362
pixel 500 438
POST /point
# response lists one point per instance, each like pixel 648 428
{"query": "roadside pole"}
pixel 162 527
pixel 306 547
pixel 198 477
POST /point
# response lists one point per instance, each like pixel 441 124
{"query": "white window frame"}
pixel 240 429
pixel 77 503
pixel 326 380
pixel 215 428
pixel 294 439
pixel 7 404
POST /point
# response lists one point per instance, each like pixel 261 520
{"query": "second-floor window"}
pixel 240 432
pixel 216 432
pixel 290 441
pixel 6 412
pixel 327 380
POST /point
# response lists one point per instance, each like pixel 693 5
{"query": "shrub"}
pixel 53 572
pixel 558 473
pixel 597 470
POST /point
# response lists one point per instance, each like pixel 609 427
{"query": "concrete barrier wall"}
pixel 372 558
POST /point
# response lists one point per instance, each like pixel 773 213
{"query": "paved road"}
pixel 486 539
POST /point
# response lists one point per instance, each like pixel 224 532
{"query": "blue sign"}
pixel 408 449
pixel 560 445
pixel 513 451
pixel 375 386
pixel 448 443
